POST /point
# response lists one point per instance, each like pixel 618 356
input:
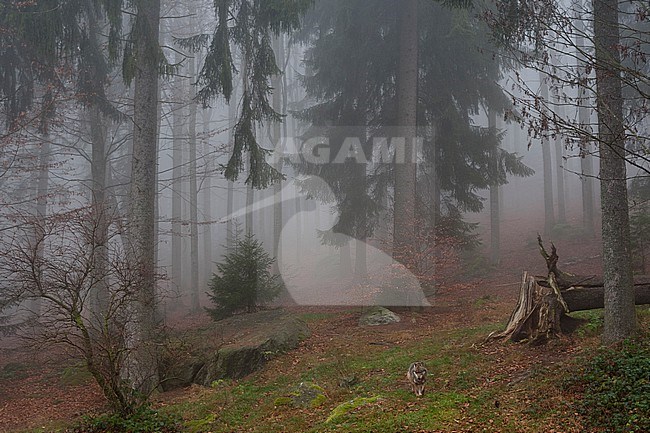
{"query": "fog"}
pixel 376 156
pixel 318 243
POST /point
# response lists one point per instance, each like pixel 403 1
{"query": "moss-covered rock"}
pixel 345 408
pixel 282 401
pixel 232 348
pixel 308 394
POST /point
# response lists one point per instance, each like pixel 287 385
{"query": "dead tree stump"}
pixel 544 302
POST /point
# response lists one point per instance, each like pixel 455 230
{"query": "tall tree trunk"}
pixel 549 206
pixel 194 205
pixel 40 208
pixel 278 90
pixel 516 190
pixel 230 201
pixel 586 160
pixel 405 171
pixel 559 160
pixel 250 202
pixel 100 297
pixel 559 167
pixel 177 179
pixel 207 199
pixel 299 225
pixel 361 186
pixel 250 193
pixel 495 218
pixel 345 256
pixel 360 259
pixel 620 314
pixel 143 192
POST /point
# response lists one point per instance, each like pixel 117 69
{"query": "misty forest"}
pixel 324 216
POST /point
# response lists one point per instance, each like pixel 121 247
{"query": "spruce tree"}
pixel 247 26
pixel 352 54
pixel 243 281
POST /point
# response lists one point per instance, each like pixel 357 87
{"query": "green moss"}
pixel 345 408
pixel 593 322
pixel 318 401
pixel 283 401
pixel 201 425
pixel 308 394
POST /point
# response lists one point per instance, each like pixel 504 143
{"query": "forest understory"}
pixel 473 385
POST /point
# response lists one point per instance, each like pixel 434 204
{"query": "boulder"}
pixel 233 348
pixel 378 316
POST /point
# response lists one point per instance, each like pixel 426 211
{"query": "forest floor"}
pixel 494 387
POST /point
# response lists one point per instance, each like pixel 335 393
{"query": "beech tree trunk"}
pixel 620 314
pixel 143 368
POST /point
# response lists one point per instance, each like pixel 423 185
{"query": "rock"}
pixel 232 348
pixel 308 395
pixel 378 316
pixel 344 408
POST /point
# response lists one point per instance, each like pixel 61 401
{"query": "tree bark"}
pixel 405 171
pixel 559 160
pixel 620 314
pixel 586 160
pixel 194 205
pixel 278 90
pixel 177 179
pixel 230 201
pixel 495 223
pixel 100 296
pixel 207 200
pixel 40 209
pixel 549 206
pixel 144 374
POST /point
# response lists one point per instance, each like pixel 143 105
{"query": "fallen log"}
pixel 544 302
pixel 591 298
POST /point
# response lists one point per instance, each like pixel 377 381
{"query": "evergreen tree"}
pixel 353 57
pixel 247 26
pixel 243 280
